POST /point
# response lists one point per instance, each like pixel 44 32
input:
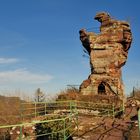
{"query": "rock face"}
pixel 108 52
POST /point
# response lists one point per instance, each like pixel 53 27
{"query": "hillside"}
pixel 9 110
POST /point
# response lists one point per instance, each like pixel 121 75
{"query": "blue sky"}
pixel 40 46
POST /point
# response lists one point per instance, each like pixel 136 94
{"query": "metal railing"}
pixel 60 127
pixel 34 109
pixel 54 119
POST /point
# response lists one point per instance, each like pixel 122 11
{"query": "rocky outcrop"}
pixel 108 52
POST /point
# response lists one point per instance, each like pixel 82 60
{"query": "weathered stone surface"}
pixel 108 52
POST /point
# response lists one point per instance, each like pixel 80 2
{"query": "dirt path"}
pixel 121 127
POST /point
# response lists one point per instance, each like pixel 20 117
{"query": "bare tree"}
pixel 39 95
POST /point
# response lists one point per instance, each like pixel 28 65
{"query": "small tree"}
pixel 39 96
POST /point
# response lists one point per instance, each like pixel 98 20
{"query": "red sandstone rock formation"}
pixel 108 52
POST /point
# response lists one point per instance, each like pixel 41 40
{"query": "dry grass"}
pixel 9 110
pixel 74 94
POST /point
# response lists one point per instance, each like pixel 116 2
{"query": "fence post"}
pixel 139 120
pixel 20 136
pixel 45 108
pixel 108 113
pixel 64 127
pixel 21 111
pixel 75 102
pixel 70 107
pixel 35 109
pixel 77 122
pixel 73 107
pixel 123 106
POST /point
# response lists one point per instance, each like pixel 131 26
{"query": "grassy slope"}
pixel 9 110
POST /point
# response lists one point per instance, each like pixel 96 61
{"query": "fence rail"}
pixel 54 119
pixel 34 109
pixel 50 129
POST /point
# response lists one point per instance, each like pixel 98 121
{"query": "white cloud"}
pixel 8 60
pixel 23 76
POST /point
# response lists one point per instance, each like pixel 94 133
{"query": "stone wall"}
pixel 108 52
